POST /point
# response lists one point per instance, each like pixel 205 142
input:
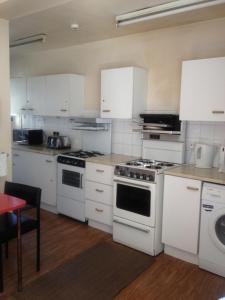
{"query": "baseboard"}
pixel 180 254
pixel 100 226
pixel 52 209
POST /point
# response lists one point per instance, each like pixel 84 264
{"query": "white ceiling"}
pixel 95 17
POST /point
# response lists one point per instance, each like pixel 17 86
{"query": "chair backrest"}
pixel 32 195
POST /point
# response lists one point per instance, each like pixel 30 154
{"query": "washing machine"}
pixel 212 229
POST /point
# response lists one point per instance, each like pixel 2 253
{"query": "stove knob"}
pixel 141 177
pixel 131 174
pixel 128 174
pixel 138 176
pixel 147 178
pixel 144 177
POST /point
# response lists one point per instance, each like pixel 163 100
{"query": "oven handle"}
pixel 132 184
pixel 81 181
pixel 130 224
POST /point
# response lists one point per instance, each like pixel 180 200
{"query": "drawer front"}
pixel 98 212
pixel 99 173
pixel 99 192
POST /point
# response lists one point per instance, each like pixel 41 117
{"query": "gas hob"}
pixel 142 169
pixel 77 158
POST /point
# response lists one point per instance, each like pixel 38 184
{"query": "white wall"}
pixel 5 129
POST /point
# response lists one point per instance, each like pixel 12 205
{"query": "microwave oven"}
pixel 28 136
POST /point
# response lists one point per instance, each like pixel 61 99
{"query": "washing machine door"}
pixel 217 229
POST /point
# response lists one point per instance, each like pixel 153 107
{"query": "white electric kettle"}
pixel 222 160
pixel 204 155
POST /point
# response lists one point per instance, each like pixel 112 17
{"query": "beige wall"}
pixel 5 124
pixel 159 51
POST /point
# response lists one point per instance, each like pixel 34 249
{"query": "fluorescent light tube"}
pixel 166 9
pixel 36 38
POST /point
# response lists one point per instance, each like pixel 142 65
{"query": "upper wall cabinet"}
pixel 18 95
pixel 123 92
pixel 64 95
pixel 203 90
pixel 52 95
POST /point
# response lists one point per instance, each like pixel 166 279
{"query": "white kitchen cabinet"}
pixel 98 196
pixel 64 95
pixel 18 95
pixel 203 90
pixel 37 170
pixel 181 213
pixel 52 95
pixel 36 98
pixel 123 92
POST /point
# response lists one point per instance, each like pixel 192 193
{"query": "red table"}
pixel 7 204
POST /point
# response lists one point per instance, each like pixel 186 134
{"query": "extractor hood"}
pixel 90 123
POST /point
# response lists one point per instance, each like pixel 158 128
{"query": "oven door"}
pixel 70 181
pixel 134 201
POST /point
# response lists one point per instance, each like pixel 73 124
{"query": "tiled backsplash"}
pixel 126 141
pixel 204 132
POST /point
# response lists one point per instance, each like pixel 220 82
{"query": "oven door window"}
pixel 134 199
pixel 71 178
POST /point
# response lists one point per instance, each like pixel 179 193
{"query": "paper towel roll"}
pixel 3 164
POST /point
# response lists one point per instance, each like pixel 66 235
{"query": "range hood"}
pixel 90 123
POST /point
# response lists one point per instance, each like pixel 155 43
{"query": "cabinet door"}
pixel 48 179
pixel 57 95
pixel 76 105
pixel 18 95
pixel 203 90
pixel 36 95
pixel 181 213
pixel 19 169
pixel 117 93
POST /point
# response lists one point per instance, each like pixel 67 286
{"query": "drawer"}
pixel 98 212
pixel 99 173
pixel 99 192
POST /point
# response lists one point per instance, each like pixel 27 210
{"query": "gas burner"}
pixel 134 163
pixel 83 154
pixel 154 167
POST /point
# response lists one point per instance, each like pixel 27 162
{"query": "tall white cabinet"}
pixel 18 94
pixel 203 90
pixel 123 92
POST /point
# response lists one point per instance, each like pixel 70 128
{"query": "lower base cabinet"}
pixel 181 213
pixel 98 196
pixel 37 170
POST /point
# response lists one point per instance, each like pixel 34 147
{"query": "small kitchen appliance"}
pixel 204 155
pixel 71 183
pixel 28 136
pixel 56 141
pixel 222 159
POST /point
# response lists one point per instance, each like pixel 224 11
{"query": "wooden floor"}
pixel 63 238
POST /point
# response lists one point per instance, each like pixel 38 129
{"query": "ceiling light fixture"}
pixel 31 39
pixel 162 10
pixel 74 26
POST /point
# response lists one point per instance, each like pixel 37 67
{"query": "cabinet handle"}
pixel 100 171
pixel 23 109
pixel 48 161
pixel 218 111
pixel 191 188
pixel 16 155
pixel 106 110
pixel 99 210
pixel 63 110
pixel 30 109
pixel 99 191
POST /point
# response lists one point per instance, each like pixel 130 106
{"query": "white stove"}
pixel 137 204
pixel 71 183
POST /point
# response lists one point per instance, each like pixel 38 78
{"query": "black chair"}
pixel 8 222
